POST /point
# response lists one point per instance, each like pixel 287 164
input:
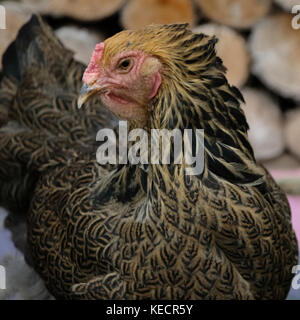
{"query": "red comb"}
pixel 93 68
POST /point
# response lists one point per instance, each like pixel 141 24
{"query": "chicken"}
pixel 134 232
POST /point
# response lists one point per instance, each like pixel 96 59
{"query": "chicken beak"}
pixel 86 92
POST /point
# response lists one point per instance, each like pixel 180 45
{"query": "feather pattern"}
pixel 120 232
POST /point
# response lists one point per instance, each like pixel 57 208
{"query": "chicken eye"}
pixel 125 65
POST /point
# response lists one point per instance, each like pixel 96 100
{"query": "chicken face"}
pixel 125 84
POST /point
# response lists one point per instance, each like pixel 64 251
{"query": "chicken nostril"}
pixel 85 88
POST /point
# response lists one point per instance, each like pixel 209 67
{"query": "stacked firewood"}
pixel 259 43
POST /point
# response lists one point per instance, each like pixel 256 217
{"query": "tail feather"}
pixel 10 63
pixel 40 125
pixel 36 46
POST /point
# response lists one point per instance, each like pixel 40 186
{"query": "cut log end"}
pixel 275 48
pixel 232 49
pixel 81 41
pixel 292 131
pixel 139 13
pixel 265 121
pixel 84 10
pixel 241 14
pixel 287 4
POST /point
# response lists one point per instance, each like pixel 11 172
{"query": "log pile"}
pixel 257 43
pixel 275 48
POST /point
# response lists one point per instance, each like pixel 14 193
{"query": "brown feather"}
pixel 124 233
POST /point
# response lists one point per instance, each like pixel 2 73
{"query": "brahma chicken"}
pixel 128 231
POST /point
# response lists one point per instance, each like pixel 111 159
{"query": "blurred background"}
pixel 259 42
